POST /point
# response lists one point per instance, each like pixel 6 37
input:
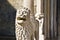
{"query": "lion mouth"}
pixel 24 19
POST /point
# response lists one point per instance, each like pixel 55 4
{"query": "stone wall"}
pixel 17 4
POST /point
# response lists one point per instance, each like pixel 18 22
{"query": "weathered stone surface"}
pixel 17 4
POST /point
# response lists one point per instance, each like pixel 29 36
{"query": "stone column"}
pixel 39 17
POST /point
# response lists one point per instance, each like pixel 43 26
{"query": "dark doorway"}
pixel 7 19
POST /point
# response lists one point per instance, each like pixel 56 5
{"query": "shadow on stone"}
pixel 7 18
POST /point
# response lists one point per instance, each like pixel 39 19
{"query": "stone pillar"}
pixel 39 17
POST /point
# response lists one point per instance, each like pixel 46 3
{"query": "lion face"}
pixel 22 15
